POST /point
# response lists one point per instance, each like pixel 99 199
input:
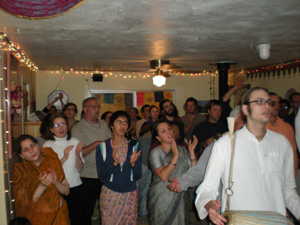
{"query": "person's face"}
pixel 295 102
pixel 283 109
pixel 59 128
pixel 146 113
pixel 154 113
pixel 107 117
pixel 30 151
pixel 168 108
pixel 52 110
pixel 215 113
pixel 190 107
pixel 259 114
pixel 176 132
pixel 275 109
pixel 132 114
pixel 70 112
pixel 165 133
pixel 120 126
pixel 92 109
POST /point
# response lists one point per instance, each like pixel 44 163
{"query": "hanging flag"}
pixel 168 95
pixel 119 100
pixel 140 98
pixel 109 98
pixel 149 98
pixel 159 95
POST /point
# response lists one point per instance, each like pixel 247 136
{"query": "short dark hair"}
pixel 272 93
pixel 211 103
pixel 284 101
pixel 181 129
pixel 190 99
pixel 246 99
pixel 49 135
pixel 70 104
pixel 292 95
pixel 53 107
pixel 135 109
pixel 103 116
pixel 116 115
pixel 144 107
pixel 21 138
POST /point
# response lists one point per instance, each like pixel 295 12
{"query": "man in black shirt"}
pixel 211 129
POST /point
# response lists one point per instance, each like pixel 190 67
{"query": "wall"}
pixel 76 85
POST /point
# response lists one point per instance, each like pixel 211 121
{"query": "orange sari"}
pixel 25 182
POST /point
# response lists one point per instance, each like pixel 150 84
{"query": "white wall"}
pixel 76 86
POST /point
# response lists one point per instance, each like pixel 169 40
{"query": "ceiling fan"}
pixel 162 67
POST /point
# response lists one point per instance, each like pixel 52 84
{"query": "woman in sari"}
pixel 38 182
pixel 119 166
pixel 168 161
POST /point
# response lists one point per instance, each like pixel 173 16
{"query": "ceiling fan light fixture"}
pixel 159 80
pixel 264 50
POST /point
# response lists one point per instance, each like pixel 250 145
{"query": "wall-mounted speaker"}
pixel 97 77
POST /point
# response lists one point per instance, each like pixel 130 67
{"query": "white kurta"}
pixel 263 174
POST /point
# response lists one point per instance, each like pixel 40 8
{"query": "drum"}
pixel 236 217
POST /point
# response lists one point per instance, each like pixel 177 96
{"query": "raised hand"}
pixel 239 82
pixel 192 145
pixel 78 148
pixel 134 157
pixel 174 186
pixel 212 207
pixel 67 151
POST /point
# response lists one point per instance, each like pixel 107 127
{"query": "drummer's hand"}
pixel 212 207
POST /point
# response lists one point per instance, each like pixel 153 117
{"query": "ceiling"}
pixel 125 35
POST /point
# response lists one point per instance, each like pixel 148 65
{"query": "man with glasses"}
pixel 278 125
pixel 263 174
pixel 91 132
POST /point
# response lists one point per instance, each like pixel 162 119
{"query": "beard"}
pixel 172 112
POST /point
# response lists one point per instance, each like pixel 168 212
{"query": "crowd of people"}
pixel 150 166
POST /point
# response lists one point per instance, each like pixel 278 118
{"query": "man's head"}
pixel 133 113
pixel 214 111
pixel 295 101
pixel 167 108
pixel 284 107
pixel 52 110
pixel 256 105
pixel 275 104
pixel 146 111
pixel 191 105
pixel 91 109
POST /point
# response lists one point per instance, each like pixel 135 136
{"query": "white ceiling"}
pixel 125 35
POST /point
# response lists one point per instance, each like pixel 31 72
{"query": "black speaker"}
pixel 97 77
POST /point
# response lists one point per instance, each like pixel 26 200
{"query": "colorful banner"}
pixel 149 98
pixel 119 100
pixel 159 95
pixel 168 95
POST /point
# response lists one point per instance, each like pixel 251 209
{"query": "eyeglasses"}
pixel 95 106
pixel 263 102
pixel 70 110
pixel 59 125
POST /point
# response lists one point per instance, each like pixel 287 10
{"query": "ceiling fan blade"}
pixel 166 74
pixel 170 66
